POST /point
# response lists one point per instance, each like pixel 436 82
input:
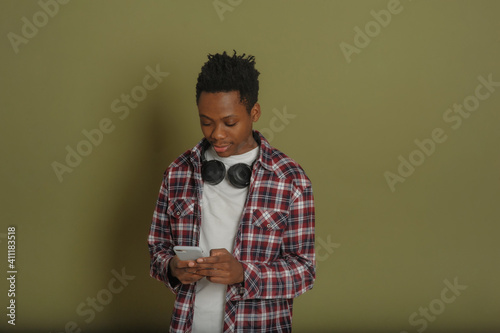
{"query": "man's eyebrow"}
pixel 207 117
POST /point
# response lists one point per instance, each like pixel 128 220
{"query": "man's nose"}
pixel 219 133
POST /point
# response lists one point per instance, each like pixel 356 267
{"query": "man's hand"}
pixel 221 267
pixel 184 270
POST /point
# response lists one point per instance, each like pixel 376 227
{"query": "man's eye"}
pixel 231 125
pixel 204 124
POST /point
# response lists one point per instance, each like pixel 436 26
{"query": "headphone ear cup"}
pixel 239 175
pixel 213 172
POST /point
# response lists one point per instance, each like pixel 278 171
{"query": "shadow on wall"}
pixel 146 302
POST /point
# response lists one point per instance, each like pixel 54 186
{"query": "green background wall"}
pixel 349 106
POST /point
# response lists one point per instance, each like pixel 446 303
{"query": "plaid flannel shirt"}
pixel 274 242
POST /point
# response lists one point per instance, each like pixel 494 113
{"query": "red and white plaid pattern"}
pixel 274 242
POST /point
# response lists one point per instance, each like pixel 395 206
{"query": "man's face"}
pixel 225 122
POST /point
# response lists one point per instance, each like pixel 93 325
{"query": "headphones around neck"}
pixel 214 171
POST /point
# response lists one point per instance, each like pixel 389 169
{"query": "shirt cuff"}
pixel 251 285
pixel 171 281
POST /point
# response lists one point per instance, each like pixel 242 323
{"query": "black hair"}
pixel 224 73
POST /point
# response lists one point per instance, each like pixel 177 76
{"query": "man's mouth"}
pixel 221 149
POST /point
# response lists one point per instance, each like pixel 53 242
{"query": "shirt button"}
pixel 269 226
pixel 178 213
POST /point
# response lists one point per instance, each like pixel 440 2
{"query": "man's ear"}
pixel 255 112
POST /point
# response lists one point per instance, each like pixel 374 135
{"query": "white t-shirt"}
pixel 221 212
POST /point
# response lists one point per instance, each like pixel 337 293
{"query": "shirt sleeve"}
pixel 294 273
pixel 160 241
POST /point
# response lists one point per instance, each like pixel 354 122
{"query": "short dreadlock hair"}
pixel 224 73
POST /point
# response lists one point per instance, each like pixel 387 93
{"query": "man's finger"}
pixel 208 260
pixel 206 266
pixel 218 252
pixel 191 270
pixel 211 272
pixel 217 279
pixel 186 263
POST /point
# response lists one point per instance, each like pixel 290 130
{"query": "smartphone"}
pixel 188 252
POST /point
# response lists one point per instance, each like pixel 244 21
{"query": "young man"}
pixel 252 213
